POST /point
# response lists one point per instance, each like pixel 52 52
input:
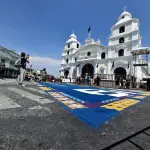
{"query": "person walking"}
pixel 79 80
pixel 148 85
pixel 98 80
pixel 89 80
pixel 121 83
pixel 86 78
pixel 117 82
pixel 22 68
pixel 2 71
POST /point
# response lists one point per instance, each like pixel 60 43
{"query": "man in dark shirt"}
pixel 23 62
pixel 117 82
pixel 98 80
pixel 2 71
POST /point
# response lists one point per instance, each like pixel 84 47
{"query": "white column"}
pixel 131 68
pixel 62 73
pixel 113 76
pixel 108 67
pixel 78 71
pixel 71 73
pixel 95 70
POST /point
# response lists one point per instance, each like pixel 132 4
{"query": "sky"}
pixel 41 27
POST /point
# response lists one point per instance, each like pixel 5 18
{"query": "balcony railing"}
pixel 107 76
pixel 87 57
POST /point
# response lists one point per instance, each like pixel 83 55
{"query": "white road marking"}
pixel 6 81
pixel 31 96
pixel 40 107
pixel 6 102
pixel 36 107
pixel 36 90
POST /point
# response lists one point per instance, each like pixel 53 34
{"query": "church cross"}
pixel 125 8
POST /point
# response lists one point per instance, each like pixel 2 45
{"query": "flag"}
pixel 113 64
pixel 44 69
pixel 89 29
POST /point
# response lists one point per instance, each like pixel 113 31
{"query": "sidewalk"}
pixel 5 80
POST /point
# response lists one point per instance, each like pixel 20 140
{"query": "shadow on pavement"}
pixel 129 139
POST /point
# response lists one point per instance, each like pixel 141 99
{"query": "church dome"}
pixel 89 41
pixel 125 14
pixel 98 42
pixel 73 36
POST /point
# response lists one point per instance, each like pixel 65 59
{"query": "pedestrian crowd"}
pixel 120 81
pixel 88 80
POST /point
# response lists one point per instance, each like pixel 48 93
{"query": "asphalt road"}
pixel 30 120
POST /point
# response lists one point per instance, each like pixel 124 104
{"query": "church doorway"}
pixel 120 72
pixel 66 73
pixel 87 68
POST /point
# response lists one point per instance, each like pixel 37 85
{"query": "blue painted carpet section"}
pixel 95 117
pixel 69 89
pixel 93 113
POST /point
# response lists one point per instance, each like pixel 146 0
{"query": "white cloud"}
pixel 52 65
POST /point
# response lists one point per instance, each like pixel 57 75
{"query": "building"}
pixel 7 61
pixel 94 58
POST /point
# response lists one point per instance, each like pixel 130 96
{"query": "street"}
pixel 31 120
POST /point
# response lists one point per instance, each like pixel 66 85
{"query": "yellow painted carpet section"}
pixel 146 94
pixel 121 105
pixel 66 101
pixel 45 88
pixel 140 97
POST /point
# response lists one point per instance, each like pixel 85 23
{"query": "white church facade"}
pixel 94 58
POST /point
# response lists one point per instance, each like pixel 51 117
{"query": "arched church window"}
pixel 121 40
pixel 77 45
pixel 68 53
pixel 12 62
pixel 89 54
pixel 122 29
pixel 67 61
pixel 121 52
pixel 68 45
pixel 103 55
pixel 3 61
pixel 122 17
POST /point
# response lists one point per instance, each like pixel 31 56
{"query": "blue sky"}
pixel 41 27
